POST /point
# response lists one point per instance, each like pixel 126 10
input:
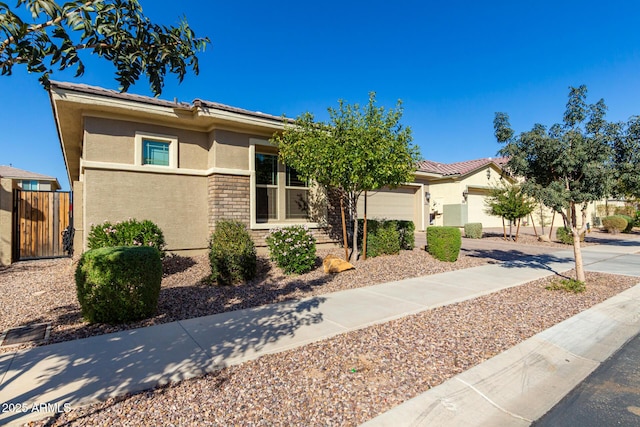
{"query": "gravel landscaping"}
pixel 344 380
pixel 44 291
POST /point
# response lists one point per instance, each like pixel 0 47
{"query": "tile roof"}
pixel 196 103
pixel 459 168
pixel 11 172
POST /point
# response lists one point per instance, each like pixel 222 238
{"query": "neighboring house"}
pixel 442 194
pixel 11 179
pixel 29 181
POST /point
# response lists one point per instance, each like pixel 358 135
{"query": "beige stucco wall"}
pixel 230 150
pixel 78 217
pixel 6 208
pixel 113 141
pixel 176 203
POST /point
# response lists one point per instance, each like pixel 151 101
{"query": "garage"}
pixel 400 203
pixel 476 210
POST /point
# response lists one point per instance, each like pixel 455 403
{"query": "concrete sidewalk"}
pixel 512 388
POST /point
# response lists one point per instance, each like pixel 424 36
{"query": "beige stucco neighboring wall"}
pixel 176 203
pixel 6 208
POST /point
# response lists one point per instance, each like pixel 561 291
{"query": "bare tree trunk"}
pixel 353 209
pixel 504 230
pixel 577 253
pixel 553 218
pixel 364 232
pixel 517 230
pixel 577 250
pixel 534 225
pixel 344 230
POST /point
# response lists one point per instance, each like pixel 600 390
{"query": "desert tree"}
pixel 358 149
pixel 565 166
pixel 510 203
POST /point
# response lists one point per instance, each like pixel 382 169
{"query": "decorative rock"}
pixel 333 264
pixel 543 238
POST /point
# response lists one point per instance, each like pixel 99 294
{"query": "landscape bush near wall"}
pixel 388 236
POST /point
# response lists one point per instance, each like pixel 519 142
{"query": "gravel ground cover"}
pixel 351 378
pixel 44 291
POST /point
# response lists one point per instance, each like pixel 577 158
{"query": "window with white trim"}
pixel 280 193
pixel 156 150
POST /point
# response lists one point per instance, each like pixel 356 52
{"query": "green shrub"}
pixel 564 235
pixel 614 224
pixel 232 254
pixel 119 284
pixel 473 230
pixel 385 240
pixel 406 230
pixel 568 285
pixel 126 233
pixel 629 226
pixel 406 234
pixel 293 249
pixel 444 243
pixel 636 219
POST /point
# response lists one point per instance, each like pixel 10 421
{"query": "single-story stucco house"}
pixel 187 165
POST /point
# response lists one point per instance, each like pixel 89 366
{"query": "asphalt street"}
pixel 610 396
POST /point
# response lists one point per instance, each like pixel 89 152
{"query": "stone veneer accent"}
pixel 229 199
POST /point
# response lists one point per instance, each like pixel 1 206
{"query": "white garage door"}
pixel 476 212
pixel 398 203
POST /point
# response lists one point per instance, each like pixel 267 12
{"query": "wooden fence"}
pixel 40 219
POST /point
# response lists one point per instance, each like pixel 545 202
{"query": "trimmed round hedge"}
pixel 444 243
pixel 119 284
pixel 614 224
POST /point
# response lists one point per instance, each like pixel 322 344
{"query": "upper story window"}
pixel 29 185
pixel 156 150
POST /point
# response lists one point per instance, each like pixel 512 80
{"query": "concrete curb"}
pixel 521 384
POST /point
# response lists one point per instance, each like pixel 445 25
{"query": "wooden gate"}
pixel 42 224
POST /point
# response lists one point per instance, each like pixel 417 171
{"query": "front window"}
pixel 281 194
pixel 297 195
pixel 266 187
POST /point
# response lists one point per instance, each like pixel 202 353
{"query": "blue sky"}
pixel 453 64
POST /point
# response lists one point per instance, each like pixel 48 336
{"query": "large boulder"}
pixel 334 264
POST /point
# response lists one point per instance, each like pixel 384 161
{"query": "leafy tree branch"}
pixel 115 30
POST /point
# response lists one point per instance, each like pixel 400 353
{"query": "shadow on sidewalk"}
pixel 518 259
pixel 97 368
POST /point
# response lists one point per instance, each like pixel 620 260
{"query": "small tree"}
pixel 510 203
pixel 357 150
pixel 565 166
pixel 115 30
